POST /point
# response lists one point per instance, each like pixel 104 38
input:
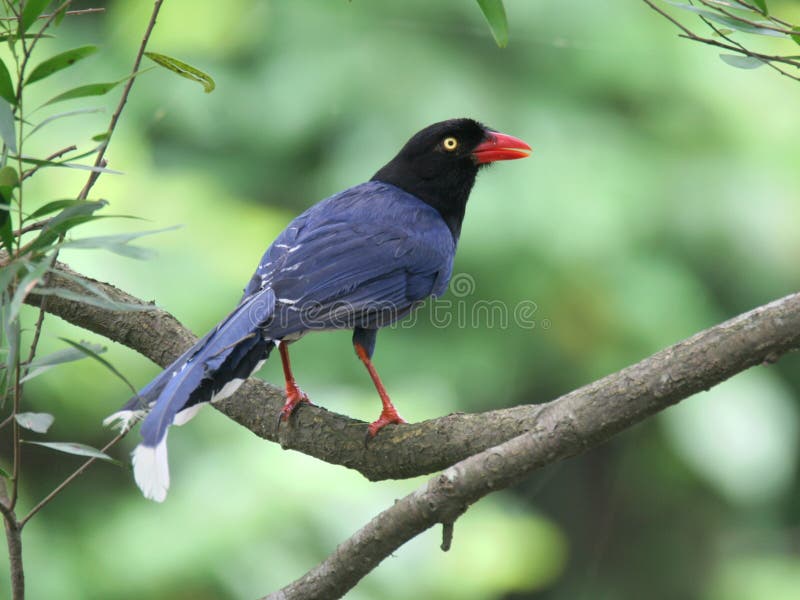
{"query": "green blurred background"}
pixel 661 198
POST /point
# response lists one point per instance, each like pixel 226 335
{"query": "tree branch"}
pixel 565 427
pixel 600 409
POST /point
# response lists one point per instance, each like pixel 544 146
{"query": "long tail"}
pixel 210 370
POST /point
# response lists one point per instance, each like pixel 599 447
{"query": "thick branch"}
pixel 590 414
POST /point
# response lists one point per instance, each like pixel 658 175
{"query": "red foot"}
pixel 387 417
pixel 294 396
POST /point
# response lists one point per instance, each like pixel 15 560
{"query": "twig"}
pixel 69 13
pixel 125 92
pixel 57 154
pixel 79 471
pixel 733 46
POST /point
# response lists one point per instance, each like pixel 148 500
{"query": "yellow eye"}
pixel 450 144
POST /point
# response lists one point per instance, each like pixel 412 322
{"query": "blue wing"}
pixel 362 258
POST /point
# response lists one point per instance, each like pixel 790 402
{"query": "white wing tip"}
pixel 124 419
pixel 151 470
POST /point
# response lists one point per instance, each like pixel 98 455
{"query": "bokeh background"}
pixel 662 198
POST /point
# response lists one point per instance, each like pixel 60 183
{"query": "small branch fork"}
pixel 732 45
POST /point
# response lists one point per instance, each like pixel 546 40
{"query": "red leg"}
pixel 294 395
pixel 389 413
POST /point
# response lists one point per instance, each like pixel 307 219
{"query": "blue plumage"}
pixel 359 260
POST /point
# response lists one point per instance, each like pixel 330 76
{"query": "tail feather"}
pixel 211 369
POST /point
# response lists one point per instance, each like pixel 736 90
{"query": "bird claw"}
pixel 294 398
pixel 389 417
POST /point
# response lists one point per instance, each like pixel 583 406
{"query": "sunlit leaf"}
pixel 184 70
pixel 31 12
pixel 6 86
pixel 742 62
pixel 38 422
pixel 495 14
pixel 90 353
pixel 45 363
pixel 75 448
pixel 59 62
pixel 7 128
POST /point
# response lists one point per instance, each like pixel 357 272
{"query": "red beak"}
pixel 499 146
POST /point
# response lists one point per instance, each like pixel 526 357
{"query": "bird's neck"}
pixel 447 195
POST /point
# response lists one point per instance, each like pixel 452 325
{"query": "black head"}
pixel 439 164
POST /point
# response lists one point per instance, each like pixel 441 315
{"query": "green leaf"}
pixel 90 353
pixel 52 207
pixel 38 422
pixel 59 62
pixel 6 87
pixel 69 113
pixel 31 12
pixel 44 364
pixel 25 287
pixel 796 37
pixel 6 230
pixel 7 128
pixel 8 272
pixel 75 448
pixel 118 243
pixel 83 91
pixel 100 137
pixel 495 15
pixel 28 36
pixel 8 181
pixel 92 300
pixel 742 62
pixel 762 5
pixel 5 473
pixel 184 70
pixel 64 221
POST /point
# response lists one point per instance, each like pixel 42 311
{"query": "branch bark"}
pixel 602 408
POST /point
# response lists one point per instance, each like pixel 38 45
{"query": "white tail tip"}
pixel 151 470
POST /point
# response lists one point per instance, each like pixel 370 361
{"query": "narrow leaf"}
pixel 31 12
pixel 6 87
pixel 92 300
pixel 38 422
pixel 796 36
pixel 762 5
pixel 75 448
pixel 184 70
pixel 25 287
pixel 69 113
pixel 52 207
pixel 5 473
pixel 495 14
pixel 118 243
pixel 44 364
pixel 64 221
pixel 13 37
pixel 8 181
pixel 728 21
pixel 59 62
pixel 6 230
pixel 90 353
pixel 83 91
pixel 7 129
pixel 742 62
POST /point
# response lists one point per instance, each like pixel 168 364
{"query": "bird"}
pixel 360 259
